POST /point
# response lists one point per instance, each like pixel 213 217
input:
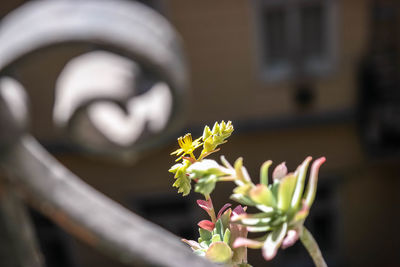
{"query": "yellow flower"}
pixel 187 146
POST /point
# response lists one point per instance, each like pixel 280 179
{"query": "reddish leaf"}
pixel 238 210
pixel 206 225
pixel 227 205
pixel 205 204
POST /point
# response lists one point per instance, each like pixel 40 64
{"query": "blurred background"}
pixel 296 78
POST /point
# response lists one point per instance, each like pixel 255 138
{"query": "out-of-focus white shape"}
pixel 151 109
pixel 15 96
pixel 98 74
pixel 104 77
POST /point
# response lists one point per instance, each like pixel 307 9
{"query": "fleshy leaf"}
pixel 302 214
pixel 265 209
pixel 258 229
pixel 205 234
pixel 225 218
pixel 206 185
pixel 207 206
pixel 280 171
pixel 301 177
pixel 239 210
pixel 242 189
pixel 245 242
pixel 226 162
pixel 311 190
pixel 264 172
pixel 207 167
pixel 260 215
pixel 219 252
pixel 285 191
pixel 261 194
pixel 273 242
pixel 216 238
pixel 238 168
pixel 227 205
pixel 242 199
pixel 291 237
pixel 207 225
pixel 219 229
pixel 227 236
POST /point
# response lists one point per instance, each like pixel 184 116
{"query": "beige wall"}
pixel 221 42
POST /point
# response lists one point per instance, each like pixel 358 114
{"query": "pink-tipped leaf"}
pixel 279 172
pixel 311 190
pixel 245 242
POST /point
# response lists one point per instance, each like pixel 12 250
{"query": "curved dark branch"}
pixel 89 215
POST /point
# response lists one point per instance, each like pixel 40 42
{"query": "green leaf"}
pixel 226 162
pixel 277 221
pixel 238 168
pixel 311 190
pixel 274 188
pixel 285 191
pixel 255 221
pixel 206 185
pixel 256 229
pixel 265 209
pixel 225 218
pixel 227 236
pixel 264 172
pixel 219 229
pixel 273 242
pixel 242 189
pixel 244 200
pixel 206 167
pixel 219 252
pixel 301 177
pixel 182 182
pixel 261 194
pixel 204 234
pixel 216 238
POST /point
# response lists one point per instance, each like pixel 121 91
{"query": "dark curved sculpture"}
pixel 124 34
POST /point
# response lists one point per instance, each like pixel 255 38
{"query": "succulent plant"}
pixel 283 205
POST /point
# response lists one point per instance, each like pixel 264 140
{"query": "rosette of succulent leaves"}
pixel 282 205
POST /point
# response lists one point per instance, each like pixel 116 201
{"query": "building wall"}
pixel 222 40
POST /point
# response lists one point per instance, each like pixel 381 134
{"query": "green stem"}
pixel 312 247
pixel 211 211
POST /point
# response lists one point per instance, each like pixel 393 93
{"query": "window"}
pixel 296 37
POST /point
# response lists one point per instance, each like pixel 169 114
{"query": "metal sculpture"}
pixel 135 46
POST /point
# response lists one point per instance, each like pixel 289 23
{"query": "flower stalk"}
pixel 312 247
